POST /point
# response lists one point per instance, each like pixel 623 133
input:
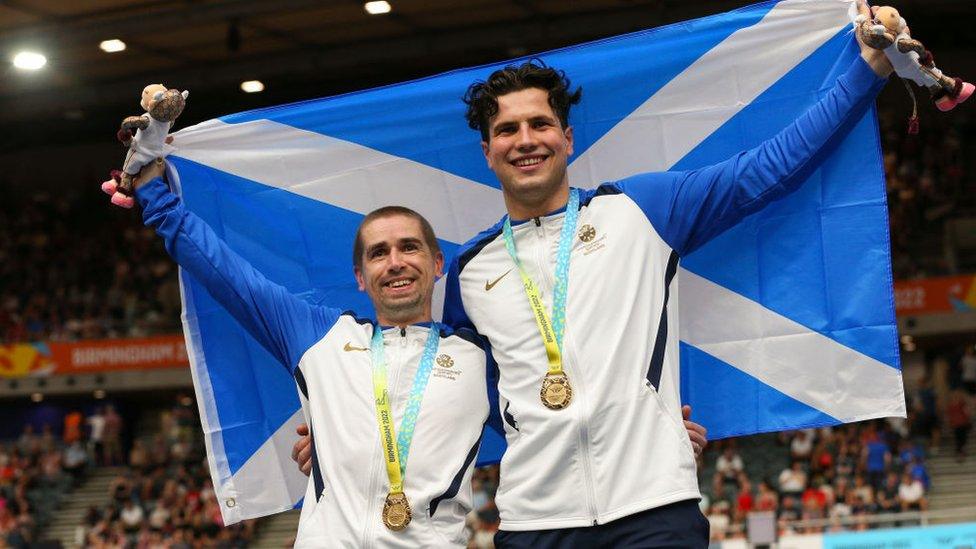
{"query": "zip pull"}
pixel 538 221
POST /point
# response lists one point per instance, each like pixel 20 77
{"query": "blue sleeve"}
pixel 282 323
pixel 454 314
pixel 690 208
pixel 493 442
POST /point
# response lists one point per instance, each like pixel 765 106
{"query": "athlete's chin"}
pixel 402 307
pixel 531 187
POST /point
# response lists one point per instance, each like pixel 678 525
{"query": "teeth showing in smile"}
pixel 398 283
pixel 523 162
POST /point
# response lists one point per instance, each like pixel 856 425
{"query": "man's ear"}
pixel 359 278
pixel 438 266
pixel 484 150
pixel 568 132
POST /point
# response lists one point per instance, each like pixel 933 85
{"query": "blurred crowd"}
pixel 163 497
pixel 73 268
pixel 834 478
pixel 36 471
pixel 929 179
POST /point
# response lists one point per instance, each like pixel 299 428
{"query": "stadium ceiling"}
pixel 300 49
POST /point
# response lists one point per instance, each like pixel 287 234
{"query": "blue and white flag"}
pixel 787 320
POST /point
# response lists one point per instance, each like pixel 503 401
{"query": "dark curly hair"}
pixel 482 97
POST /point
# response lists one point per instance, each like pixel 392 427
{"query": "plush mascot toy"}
pixel 150 140
pixel 888 31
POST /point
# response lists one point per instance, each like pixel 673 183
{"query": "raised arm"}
pixel 691 207
pixel 282 323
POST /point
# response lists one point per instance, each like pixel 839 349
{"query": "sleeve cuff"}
pixel 861 76
pixel 151 193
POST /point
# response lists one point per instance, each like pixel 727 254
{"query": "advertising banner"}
pixel 935 295
pixel 82 357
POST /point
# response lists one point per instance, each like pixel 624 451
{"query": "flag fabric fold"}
pixel 787 319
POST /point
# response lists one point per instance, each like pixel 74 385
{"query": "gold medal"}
pixel 556 391
pixel 396 511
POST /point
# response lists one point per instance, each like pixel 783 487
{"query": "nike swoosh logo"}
pixel 349 348
pixel 490 285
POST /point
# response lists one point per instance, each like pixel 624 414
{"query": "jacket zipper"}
pixel 576 379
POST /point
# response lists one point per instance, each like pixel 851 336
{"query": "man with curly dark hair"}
pixel 588 370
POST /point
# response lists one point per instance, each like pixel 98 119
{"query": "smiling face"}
pixel 398 269
pixel 529 149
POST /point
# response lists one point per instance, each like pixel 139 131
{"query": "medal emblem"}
pixel 556 391
pixel 587 233
pixel 396 512
pixel 445 361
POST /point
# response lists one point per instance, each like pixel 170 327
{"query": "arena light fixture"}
pixel 377 8
pixel 29 60
pixel 252 86
pixel 112 46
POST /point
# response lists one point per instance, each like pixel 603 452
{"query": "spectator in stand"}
pixel 793 480
pixel 719 521
pixel 926 414
pixel 888 501
pixel 960 419
pixel 47 440
pixel 28 443
pixel 876 458
pixel 112 437
pixel 744 501
pixel 858 509
pixel 968 366
pixel 822 460
pixel 789 511
pixel 729 465
pixel 814 501
pixel 139 457
pixel 767 499
pixel 864 491
pixel 911 494
pixel 75 461
pixel 72 427
pixel 131 516
pixel 96 434
pixel 847 460
pixel 918 471
pixel 801 447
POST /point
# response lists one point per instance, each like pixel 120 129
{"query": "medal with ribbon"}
pixel 396 509
pixel 556 392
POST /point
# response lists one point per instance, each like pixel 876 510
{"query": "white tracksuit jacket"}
pixel 620 447
pixel 327 351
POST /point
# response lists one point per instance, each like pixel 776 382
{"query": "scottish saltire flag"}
pixel 787 320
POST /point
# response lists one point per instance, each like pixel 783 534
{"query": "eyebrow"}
pixel 541 117
pixel 401 242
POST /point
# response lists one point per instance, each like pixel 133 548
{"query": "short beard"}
pixel 404 311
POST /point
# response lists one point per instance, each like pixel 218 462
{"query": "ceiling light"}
pixel 112 46
pixel 252 86
pixel 377 8
pixel 29 60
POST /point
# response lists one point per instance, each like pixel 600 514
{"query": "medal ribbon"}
pixel 395 453
pixel 551 330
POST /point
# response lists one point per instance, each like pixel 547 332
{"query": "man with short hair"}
pixel 572 289
pixel 365 385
